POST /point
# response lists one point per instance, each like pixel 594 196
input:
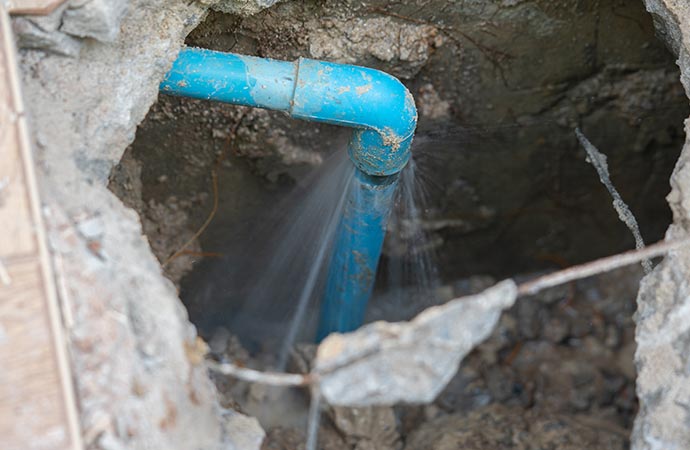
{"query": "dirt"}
pixel 172 188
pixel 557 372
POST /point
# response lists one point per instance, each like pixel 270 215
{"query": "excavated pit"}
pixel 500 90
pixel 518 76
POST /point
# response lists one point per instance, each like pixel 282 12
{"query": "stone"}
pixel 42 32
pixel 556 329
pixel 411 361
pixel 530 316
pixel 97 19
pixel 403 48
pixel 662 325
pixel 430 104
pixel 137 374
pixel 370 427
pixel 243 432
pixel 242 7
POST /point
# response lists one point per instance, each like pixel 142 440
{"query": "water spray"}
pixel 381 111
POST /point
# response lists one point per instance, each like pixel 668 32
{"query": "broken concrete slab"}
pixel 663 328
pixel 140 380
pixel 97 19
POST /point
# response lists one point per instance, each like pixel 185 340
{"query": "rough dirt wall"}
pixel 663 328
pixel 139 373
pixel 499 86
pixel 510 190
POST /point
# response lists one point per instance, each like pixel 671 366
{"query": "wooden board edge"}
pixel 47 274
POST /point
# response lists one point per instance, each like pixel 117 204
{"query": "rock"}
pixel 581 324
pixel 243 432
pixel 402 47
pixel 663 347
pixel 626 360
pixel 583 432
pixel 408 361
pixel 493 426
pixel 97 19
pixel 504 336
pixel 136 373
pixel 613 337
pixel 556 329
pixel 242 7
pixel 553 295
pixel 430 104
pixel 499 381
pixel 42 32
pixel 530 317
pixel 563 379
pixel 301 358
pixel 59 31
pixel 663 382
pixel 109 442
pixel 371 427
pixel 465 392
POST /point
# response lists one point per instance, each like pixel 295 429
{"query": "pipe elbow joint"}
pixel 376 104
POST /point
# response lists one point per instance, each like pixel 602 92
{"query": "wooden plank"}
pixel 32 6
pixel 15 210
pixel 37 403
pixel 32 415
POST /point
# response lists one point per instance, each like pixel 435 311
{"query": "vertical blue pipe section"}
pixel 375 104
pixel 357 249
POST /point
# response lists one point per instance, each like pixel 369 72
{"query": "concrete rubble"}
pixel 90 73
pixel 663 328
pixel 408 362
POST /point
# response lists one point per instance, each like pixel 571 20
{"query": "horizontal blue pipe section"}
pixel 375 104
pixel 229 78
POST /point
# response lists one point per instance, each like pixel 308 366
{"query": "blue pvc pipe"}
pixel 375 104
pixel 359 239
pixel 229 78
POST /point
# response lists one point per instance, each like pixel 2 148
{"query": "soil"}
pixel 556 373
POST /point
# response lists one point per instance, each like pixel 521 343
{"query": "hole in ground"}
pixel 507 192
